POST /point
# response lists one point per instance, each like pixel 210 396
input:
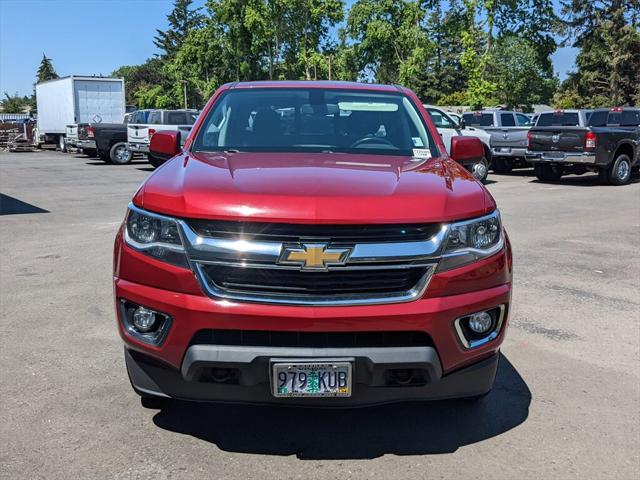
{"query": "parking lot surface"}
pixel 566 403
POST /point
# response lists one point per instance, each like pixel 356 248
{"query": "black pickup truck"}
pixel 111 138
pixel 111 142
pixel 606 141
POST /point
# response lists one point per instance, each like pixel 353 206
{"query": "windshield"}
pixel 315 120
pixel 559 119
pixel 478 119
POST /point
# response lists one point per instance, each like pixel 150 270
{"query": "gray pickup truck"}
pixel 508 136
pixel 606 141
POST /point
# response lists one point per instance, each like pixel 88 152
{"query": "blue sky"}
pixel 86 37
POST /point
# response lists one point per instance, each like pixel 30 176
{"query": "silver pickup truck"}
pixel 508 136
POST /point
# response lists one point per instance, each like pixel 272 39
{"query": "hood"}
pixel 329 188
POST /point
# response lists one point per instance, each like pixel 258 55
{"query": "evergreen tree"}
pixel 182 20
pixel 46 70
pixel 608 64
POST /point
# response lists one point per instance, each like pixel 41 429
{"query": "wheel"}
pixel 120 154
pixel 155 161
pixel 62 146
pixel 547 173
pixel 480 170
pixel 620 172
pixel 89 152
pixel 502 165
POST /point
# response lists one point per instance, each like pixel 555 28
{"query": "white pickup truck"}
pixel 449 128
pixel 139 134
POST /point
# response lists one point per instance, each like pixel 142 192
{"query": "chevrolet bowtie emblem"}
pixel 313 256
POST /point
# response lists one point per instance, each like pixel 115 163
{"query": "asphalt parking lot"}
pixel 566 403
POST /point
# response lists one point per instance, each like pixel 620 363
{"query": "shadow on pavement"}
pixel 402 429
pixel 586 180
pixel 13 206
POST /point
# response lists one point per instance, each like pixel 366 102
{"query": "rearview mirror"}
pixel 165 144
pixel 464 149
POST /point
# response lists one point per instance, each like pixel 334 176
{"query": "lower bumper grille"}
pixel 265 338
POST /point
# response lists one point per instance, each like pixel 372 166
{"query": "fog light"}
pixel 144 319
pixel 480 322
pixel 144 324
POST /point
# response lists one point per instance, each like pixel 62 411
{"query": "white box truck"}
pixel 69 101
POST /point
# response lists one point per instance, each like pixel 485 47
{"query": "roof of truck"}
pixel 84 77
pixel 316 84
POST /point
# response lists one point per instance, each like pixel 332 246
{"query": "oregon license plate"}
pixel 312 379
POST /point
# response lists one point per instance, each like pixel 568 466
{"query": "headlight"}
pixel 155 235
pixel 472 240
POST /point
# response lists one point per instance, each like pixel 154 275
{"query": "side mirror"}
pixel 464 149
pixel 463 124
pixel 165 144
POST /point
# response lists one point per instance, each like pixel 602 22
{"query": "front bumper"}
pixel 86 144
pixel 173 368
pixel 138 147
pixel 514 152
pixel 561 157
pixel 152 378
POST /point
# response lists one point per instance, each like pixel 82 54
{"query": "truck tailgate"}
pixel 564 139
pixel 509 137
pixel 138 133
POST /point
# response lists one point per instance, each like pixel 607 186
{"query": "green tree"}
pixel 46 70
pixel 608 63
pixel 182 20
pixel 390 41
pixel 149 74
pixel 517 71
pixel 444 75
pixel 14 103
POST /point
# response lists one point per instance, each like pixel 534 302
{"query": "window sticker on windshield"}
pixel 417 142
pixel 422 153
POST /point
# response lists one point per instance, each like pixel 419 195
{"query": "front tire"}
pixel 480 170
pixel 62 145
pixel 620 171
pixel 120 154
pixel 548 173
pixel 502 165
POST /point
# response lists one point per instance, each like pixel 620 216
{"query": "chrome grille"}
pixel 244 261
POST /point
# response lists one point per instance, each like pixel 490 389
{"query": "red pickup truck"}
pixel 312 243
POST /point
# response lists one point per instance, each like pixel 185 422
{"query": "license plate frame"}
pixel 291 366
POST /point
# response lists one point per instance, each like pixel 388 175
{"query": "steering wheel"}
pixel 378 140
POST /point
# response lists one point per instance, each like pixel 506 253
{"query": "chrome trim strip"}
pixel 567 157
pixel 269 266
pixel 254 251
pixel 470 345
pixel 316 300
pixel 204 248
pixel 399 251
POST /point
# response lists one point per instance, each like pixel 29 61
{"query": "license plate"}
pixel 505 149
pixel 312 379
